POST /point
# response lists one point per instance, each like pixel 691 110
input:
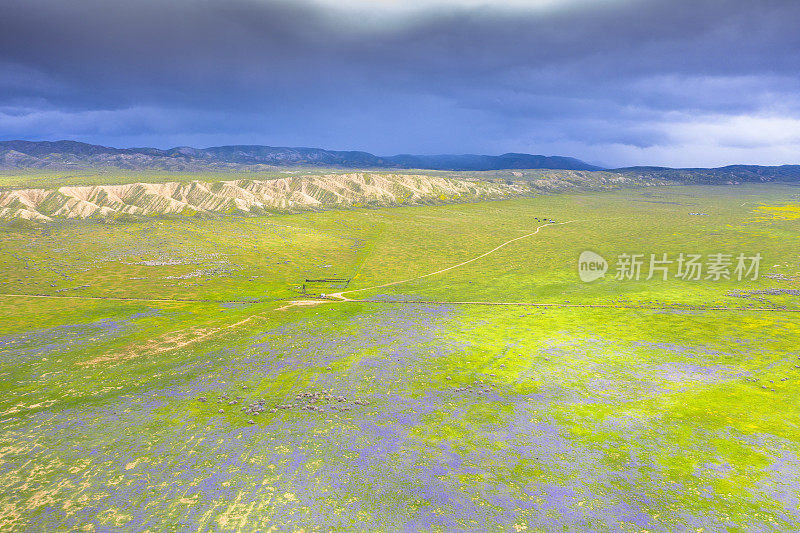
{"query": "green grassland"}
pixel 49 179
pixel 671 406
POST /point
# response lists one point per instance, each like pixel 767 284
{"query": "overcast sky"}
pixel 620 82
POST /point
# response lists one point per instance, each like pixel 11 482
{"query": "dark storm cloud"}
pixel 628 73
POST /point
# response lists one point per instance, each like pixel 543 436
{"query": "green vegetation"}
pixel 50 179
pixel 651 413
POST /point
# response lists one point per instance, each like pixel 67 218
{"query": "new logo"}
pixel 591 266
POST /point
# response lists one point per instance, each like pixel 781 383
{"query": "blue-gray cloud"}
pixel 627 81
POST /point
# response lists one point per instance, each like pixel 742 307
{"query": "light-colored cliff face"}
pixel 242 196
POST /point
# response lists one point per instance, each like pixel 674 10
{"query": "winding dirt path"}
pixel 340 295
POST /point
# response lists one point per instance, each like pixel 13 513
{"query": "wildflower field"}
pixel 174 374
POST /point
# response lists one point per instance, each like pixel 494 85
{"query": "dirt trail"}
pixel 169 342
pixel 301 303
pixel 190 336
pixel 340 295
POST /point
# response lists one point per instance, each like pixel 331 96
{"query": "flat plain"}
pixel 174 374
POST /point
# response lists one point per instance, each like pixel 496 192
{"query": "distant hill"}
pixel 72 154
pixel 509 161
pixel 716 176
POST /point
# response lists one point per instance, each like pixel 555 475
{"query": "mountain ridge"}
pixel 68 154
pixel 290 194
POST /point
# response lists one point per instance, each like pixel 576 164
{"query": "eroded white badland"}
pixel 243 196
